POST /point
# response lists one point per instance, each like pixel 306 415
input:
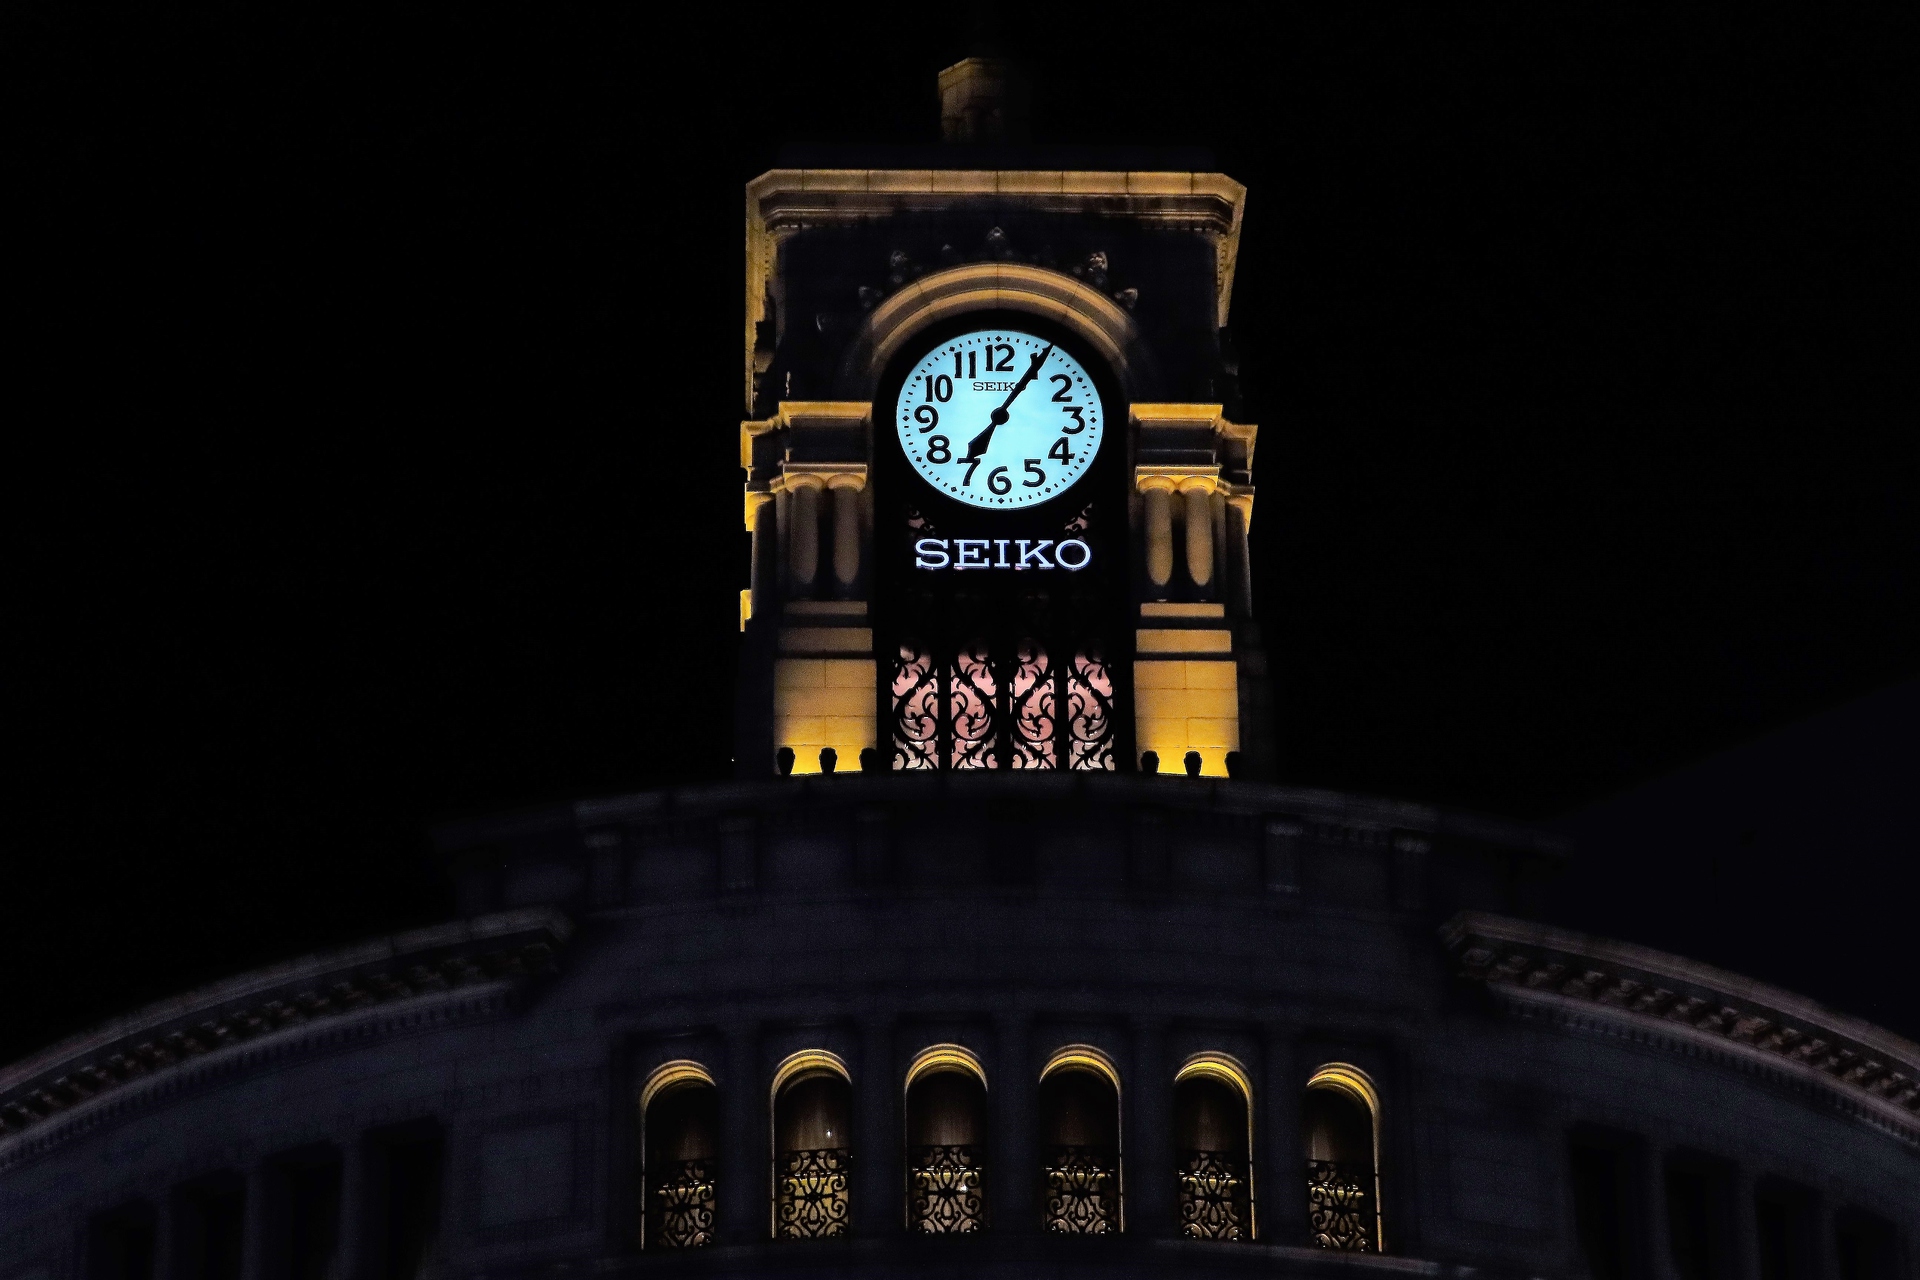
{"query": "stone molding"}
pixel 995 286
pixel 1684 1006
pixel 169 1044
pixel 182 1079
pixel 781 201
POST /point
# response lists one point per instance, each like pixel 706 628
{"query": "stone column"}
pixel 878 1176
pixel 1280 1162
pixel 1013 1174
pixel 764 570
pixel 1157 498
pixel 356 1208
pixel 166 1238
pixel 1147 1160
pixel 803 539
pixel 253 1237
pixel 1652 1181
pixel 1199 500
pixel 846 534
pixel 1745 1223
pixel 746 1158
pixel 1239 556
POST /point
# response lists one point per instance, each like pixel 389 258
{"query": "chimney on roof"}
pixel 984 100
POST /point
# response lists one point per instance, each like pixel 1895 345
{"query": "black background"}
pixel 375 383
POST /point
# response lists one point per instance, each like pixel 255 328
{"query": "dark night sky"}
pixel 375 388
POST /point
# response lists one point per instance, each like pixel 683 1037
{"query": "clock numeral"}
pixel 1001 363
pixel 972 465
pixel 971 372
pixel 1061 451
pixel 1066 386
pixel 1079 421
pixel 938 449
pixel 927 416
pixel 939 388
pixel 1039 476
pixel 997 480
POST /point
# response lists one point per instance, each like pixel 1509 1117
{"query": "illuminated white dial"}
pixel 999 419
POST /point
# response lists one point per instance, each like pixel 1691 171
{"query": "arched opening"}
pixel 680 1149
pixel 1341 1130
pixel 812 1146
pixel 946 1142
pixel 1213 1134
pixel 1080 1142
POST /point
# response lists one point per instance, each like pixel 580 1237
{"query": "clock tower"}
pixel 997 494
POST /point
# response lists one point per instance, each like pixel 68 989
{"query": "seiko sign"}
pixel 1070 554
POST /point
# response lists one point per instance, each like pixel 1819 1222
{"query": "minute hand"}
pixel 978 445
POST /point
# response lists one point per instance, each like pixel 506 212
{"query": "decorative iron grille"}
pixel 1213 1196
pixel 917 709
pixel 811 1193
pixel 1340 1206
pixel 1090 712
pixel 945 1189
pixel 680 1206
pixel 991 706
pixel 1082 1190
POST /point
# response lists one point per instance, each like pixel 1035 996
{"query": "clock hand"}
pixel 978 445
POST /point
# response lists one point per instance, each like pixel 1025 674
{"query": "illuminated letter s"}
pixel 930 553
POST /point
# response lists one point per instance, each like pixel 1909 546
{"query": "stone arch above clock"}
pixel 996 286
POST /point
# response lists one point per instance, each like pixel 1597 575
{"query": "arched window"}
pixel 812 1150
pixel 1080 1142
pixel 1213 1128
pixel 946 1141
pixel 1341 1120
pixel 680 1147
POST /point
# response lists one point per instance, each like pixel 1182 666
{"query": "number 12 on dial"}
pixel 999 419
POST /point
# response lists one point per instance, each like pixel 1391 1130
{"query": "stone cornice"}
pixel 1324 812
pixel 1537 970
pixel 782 201
pixel 162 1039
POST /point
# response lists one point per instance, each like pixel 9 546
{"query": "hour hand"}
pixel 978 445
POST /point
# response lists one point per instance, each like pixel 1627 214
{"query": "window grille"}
pixel 1213 1196
pixel 1082 1189
pixel 1340 1206
pixel 988 706
pixel 812 1198
pixel 680 1206
pixel 947 1188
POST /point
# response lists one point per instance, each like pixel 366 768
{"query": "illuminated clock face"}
pixel 999 419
